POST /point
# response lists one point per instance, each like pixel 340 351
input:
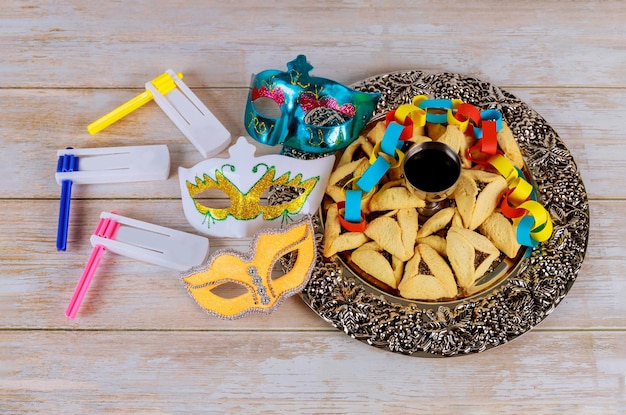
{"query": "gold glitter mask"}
pixel 242 182
pixel 233 284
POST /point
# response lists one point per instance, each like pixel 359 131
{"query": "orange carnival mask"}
pixel 233 284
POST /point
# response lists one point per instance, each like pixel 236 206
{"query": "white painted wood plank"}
pixel 291 372
pixel 70 44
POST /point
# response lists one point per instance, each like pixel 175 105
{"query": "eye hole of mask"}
pixel 325 117
pixel 214 198
pixel 281 194
pixel 271 197
pixel 229 290
pixel 284 265
pixel 267 107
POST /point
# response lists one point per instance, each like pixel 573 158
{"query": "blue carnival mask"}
pixel 317 115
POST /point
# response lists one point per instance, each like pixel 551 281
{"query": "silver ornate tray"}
pixel 496 316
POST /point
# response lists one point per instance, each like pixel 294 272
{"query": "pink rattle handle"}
pixel 106 228
pixel 85 280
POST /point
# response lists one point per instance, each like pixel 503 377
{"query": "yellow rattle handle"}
pixel 119 112
pixel 164 84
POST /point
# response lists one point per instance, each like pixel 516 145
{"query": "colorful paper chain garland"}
pixel 531 220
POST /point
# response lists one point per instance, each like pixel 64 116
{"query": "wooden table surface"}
pixel 140 344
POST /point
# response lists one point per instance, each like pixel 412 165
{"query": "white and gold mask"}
pixel 244 181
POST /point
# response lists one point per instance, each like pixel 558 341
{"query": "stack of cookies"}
pixel 439 258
